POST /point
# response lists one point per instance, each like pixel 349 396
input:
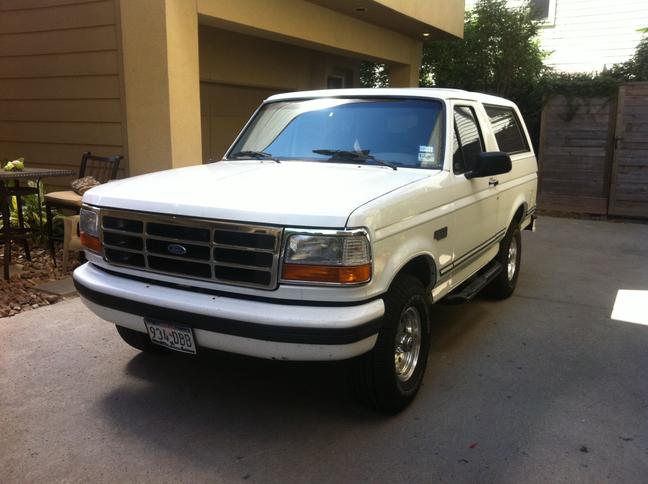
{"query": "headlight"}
pixel 89 228
pixel 338 258
pixel 89 221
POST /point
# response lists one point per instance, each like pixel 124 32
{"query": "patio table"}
pixel 9 233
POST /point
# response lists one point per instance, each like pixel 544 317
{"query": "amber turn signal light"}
pixel 330 274
pixel 90 242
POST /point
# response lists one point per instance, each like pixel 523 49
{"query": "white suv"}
pixel 328 228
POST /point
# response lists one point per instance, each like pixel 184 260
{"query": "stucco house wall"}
pixel 168 83
pixel 238 71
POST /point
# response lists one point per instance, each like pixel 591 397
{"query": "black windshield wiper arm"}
pixel 256 155
pixel 341 155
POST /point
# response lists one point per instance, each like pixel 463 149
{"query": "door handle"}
pixel 493 182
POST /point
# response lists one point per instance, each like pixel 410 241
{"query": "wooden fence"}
pixel 593 154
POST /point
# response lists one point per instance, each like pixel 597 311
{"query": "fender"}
pixel 522 198
pixel 395 259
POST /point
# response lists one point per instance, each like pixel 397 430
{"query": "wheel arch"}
pixel 422 266
pixel 518 211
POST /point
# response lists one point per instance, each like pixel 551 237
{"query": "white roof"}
pixel 430 92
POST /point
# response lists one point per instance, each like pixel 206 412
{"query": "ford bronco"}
pixel 329 227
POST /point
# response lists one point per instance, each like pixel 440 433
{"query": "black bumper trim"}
pixel 264 332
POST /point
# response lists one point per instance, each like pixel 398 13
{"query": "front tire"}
pixel 389 376
pixel 509 256
pixel 139 341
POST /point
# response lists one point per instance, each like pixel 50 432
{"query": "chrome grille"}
pixel 223 252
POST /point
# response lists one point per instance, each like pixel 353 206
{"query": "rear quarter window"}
pixel 507 129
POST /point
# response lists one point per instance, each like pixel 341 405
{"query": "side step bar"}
pixel 470 289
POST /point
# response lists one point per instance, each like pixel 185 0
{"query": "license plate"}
pixel 172 336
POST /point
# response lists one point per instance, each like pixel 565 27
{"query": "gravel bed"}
pixel 18 293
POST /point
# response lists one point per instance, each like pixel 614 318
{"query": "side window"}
pixel 468 139
pixel 507 130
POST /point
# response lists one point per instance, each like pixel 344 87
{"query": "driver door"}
pixel 476 199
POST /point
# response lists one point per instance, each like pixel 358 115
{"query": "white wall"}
pixel 587 35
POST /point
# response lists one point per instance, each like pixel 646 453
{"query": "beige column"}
pixel 161 84
pixel 407 75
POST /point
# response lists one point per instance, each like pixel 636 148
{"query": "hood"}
pixel 292 193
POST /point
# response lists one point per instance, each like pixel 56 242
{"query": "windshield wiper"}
pixel 354 156
pixel 256 155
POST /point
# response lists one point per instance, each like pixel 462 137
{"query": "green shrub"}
pixel 635 69
pixel 374 75
pixel 33 218
pixel 500 54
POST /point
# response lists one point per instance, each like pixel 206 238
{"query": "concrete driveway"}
pixel 543 387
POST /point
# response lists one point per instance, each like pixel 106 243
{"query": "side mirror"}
pixel 489 164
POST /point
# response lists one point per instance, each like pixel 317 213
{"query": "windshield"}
pixel 393 132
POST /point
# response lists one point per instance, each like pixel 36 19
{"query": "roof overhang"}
pixel 421 19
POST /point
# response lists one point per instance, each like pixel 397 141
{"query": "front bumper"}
pixel 277 330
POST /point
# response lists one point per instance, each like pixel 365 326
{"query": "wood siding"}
pixel 588 35
pixel 60 85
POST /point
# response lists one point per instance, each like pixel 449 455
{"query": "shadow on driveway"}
pixel 187 404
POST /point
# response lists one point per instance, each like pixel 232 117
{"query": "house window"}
pixel 339 78
pixel 544 10
pixel 540 9
pixel 335 82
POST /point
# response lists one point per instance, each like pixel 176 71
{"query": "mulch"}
pixel 18 293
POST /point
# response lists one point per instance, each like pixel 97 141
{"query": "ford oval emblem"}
pixel 176 249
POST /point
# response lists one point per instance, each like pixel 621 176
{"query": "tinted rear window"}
pixel 506 127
